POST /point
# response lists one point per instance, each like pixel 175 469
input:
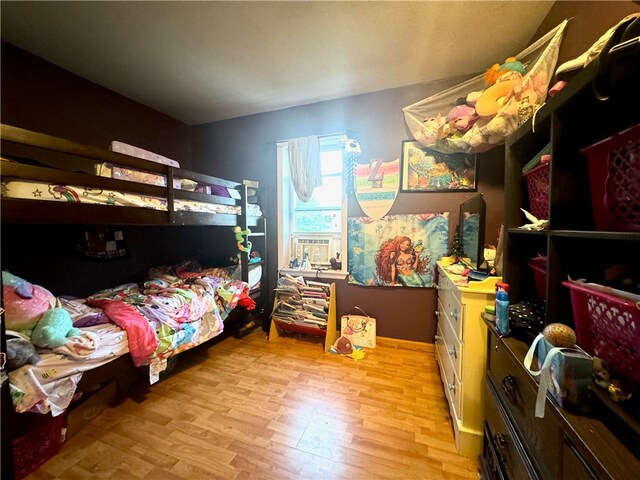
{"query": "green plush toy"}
pixel 53 328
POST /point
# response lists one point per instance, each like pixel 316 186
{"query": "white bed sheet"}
pixel 51 383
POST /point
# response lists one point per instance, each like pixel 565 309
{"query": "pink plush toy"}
pixel 24 302
pixel 461 117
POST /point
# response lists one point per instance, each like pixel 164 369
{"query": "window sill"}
pixel 330 274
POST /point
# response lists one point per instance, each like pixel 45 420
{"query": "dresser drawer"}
pixel 506 452
pixel 450 381
pixel 573 465
pixel 449 296
pixel 514 388
pixel 452 345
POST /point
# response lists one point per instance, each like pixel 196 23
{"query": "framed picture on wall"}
pixel 425 170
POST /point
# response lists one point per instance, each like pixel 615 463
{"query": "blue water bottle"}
pixel 502 312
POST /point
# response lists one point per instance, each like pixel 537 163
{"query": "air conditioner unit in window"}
pixel 320 248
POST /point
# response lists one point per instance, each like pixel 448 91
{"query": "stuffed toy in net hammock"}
pixel 482 112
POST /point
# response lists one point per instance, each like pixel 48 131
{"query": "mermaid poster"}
pixel 396 250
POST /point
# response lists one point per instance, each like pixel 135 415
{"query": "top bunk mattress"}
pixel 34 190
pixel 37 167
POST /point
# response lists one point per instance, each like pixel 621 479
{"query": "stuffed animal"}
pixel 351 146
pixel 53 328
pixel 240 238
pixel 492 74
pixel 20 352
pixel 461 117
pixel 24 303
pixel 432 130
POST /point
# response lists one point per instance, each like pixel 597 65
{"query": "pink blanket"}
pixel 142 338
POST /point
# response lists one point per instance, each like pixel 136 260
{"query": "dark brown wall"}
pixel 40 96
pixel 589 20
pixel 377 122
pixel 46 254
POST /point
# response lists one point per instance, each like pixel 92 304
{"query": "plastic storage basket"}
pixel 538 187
pixel 616 201
pixel 40 443
pixel 608 327
pixel 539 267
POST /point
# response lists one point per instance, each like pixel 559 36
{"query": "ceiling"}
pixel 201 62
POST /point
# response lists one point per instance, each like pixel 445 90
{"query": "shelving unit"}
pixel 571 121
pixel 574 119
pixel 330 334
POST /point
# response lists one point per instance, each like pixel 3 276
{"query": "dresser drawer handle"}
pixel 500 441
pixel 510 388
pixel 438 338
pixel 454 314
pixel 451 387
pixel 452 352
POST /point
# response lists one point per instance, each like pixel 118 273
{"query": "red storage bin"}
pixel 41 442
pixel 297 328
pixel 539 267
pixel 614 176
pixel 538 187
pixel 608 327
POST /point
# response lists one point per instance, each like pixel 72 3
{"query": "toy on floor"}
pixel 343 346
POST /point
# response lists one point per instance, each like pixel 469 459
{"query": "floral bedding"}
pixel 177 308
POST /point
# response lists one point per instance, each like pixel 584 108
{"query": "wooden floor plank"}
pixel 251 409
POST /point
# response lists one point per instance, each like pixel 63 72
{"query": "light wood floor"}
pixel 253 409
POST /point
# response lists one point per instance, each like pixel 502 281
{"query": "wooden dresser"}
pixel 461 343
pixel 561 445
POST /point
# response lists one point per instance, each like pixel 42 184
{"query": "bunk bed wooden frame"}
pixel 32 156
pixel 68 162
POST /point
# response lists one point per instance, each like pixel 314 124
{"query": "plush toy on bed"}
pixel 20 351
pixel 24 303
pixel 53 328
pixel 30 309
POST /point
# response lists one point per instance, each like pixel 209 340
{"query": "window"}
pixel 313 228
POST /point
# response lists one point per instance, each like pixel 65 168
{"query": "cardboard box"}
pixel 89 407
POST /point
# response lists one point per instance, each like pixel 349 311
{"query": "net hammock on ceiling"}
pixel 482 112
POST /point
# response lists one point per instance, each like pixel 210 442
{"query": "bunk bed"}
pixel 51 181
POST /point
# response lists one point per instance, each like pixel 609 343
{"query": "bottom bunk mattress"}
pixel 33 190
pixel 50 384
pixel 175 309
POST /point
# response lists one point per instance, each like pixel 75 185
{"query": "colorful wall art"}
pixel 376 186
pixel 425 170
pixel 396 250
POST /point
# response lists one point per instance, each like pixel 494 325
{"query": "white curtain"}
pixel 304 164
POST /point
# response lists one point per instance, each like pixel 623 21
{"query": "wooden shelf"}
pixel 602 444
pixel 330 334
pixel 591 234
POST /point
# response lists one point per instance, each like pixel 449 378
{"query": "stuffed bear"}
pixel 20 352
